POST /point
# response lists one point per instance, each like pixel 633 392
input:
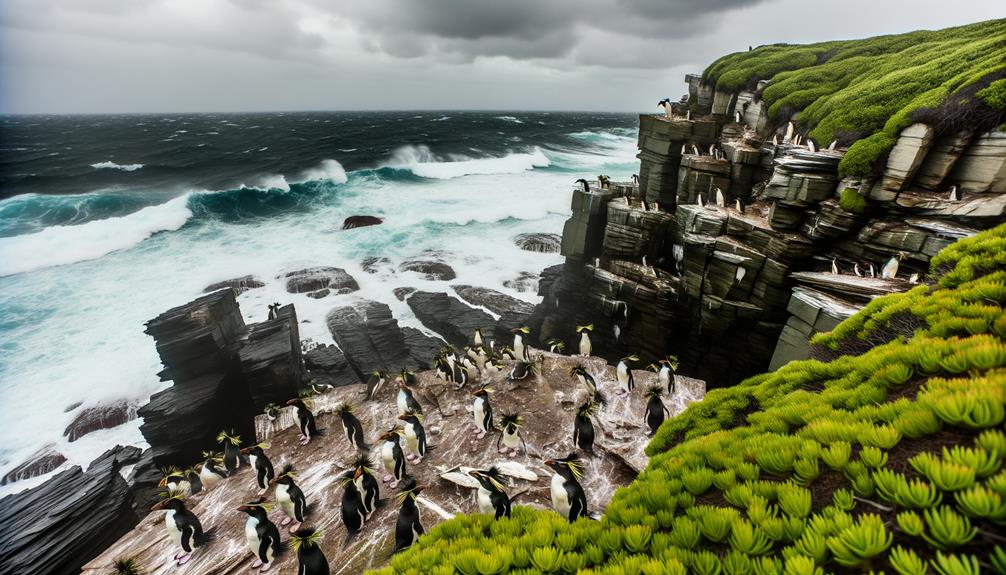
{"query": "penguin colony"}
pixel 397 449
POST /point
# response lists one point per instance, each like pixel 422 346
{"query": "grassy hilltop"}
pixel 884 455
pixel 868 90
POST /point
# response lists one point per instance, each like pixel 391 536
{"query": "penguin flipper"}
pixel 188 538
pixel 263 548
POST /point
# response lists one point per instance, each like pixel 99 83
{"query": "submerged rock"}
pixel 41 462
pixel 539 242
pixel 360 222
pixel 100 417
pixel 240 285
pixel 319 278
pixel 430 269
pixel 524 282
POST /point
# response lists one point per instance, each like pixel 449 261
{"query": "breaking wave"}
pixel 423 163
pixel 113 166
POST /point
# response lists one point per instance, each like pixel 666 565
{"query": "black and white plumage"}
pixel 232 450
pixel 583 427
pixel 211 471
pixel 584 331
pixel 274 310
pixel 954 195
pixel 890 269
pixel 259 462
pixel 310 558
pixel 392 457
pixel 409 526
pixel 176 481
pixel 655 409
pixel 352 426
pixel 261 534
pixel 367 484
pixel 305 421
pixel 555 345
pixel 183 528
pixel 585 379
pixel 510 436
pixel 665 370
pixel 520 342
pixel 375 383
pixel 354 512
pixel 405 401
pixel 585 184
pixel 623 372
pixel 482 411
pixel 568 497
pixel 415 436
pixel 491 496
pixel 290 498
pixel 666 105
pixel 520 370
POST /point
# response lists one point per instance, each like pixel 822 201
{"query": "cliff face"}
pixel 723 251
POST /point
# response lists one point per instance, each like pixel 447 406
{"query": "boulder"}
pixel 370 338
pixel 144 482
pixel 326 364
pixel 538 242
pixel 376 264
pixel 811 312
pixel 430 269
pixel 422 348
pixel 41 462
pixel 59 526
pixel 318 278
pixel 906 157
pixel 403 292
pixel 448 316
pixel 982 167
pixel 319 294
pixel 271 359
pixel 360 222
pixel 100 417
pixel 524 282
pixel 240 285
pixel 497 302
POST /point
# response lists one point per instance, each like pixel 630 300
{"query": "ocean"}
pixel 106 221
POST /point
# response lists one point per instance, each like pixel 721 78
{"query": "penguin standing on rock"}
pixel 584 331
pixel 520 342
pixel 510 434
pixel 354 513
pixel 478 337
pixel 183 528
pixel 555 345
pixel 177 482
pixel 520 370
pixel 310 559
pixel 352 425
pixel 655 409
pixel 491 497
pixel 623 371
pixel 232 450
pixel 375 383
pixel 210 472
pixel 392 457
pixel 585 184
pixel 370 490
pixel 305 419
pixel 405 401
pixel 415 436
pixel 290 498
pixel 261 534
pixel 482 411
pixel 585 379
pixel 890 269
pixel 583 428
pixel 568 498
pixel 409 525
pixel 264 472
pixel 665 369
pixel 274 310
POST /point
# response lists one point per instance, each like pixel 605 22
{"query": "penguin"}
pixel 775 140
pixel 415 436
pixel 442 369
pixel 491 497
pixel 311 560
pixel 568 498
pixel 482 411
pixel 737 117
pixel 890 269
pixel 183 528
pixel 688 115
pixel 872 270
pixel 493 368
pixel 834 266
pixel 739 205
pixel 811 145
pixel 555 346
pixel 232 450
pixel 684 151
pixel 913 279
pixel 700 200
pixel 666 105
pixel 261 534
pixel 506 352
pixel 481 357
pixel 210 472
pixel 510 434
pixel 409 526
pixel 264 472
pixel 585 379
pixel 354 512
pixel 655 409
pixel 290 498
pixel 665 369
pixel 392 457
pixel 623 372
pixel 406 377
pixel 406 402
pixel 520 370
pixel 720 199
pixel 367 484
pixel 519 344
pixel 954 195
pixel 320 388
pixel 177 482
pixel 855 270
pixel 305 419
pixel 375 383
pixel 586 186
pixel 274 310
pixel 460 375
pixel 695 150
pixel 352 426
pixel 789 132
pixel 635 179
pixel 583 427
pixel 584 331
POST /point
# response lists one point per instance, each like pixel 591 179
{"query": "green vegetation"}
pixel 851 201
pixel 885 456
pixel 869 90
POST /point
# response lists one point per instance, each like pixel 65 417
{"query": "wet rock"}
pixel 524 282
pixel 318 278
pixel 125 455
pixel 539 242
pixel 497 302
pixel 57 527
pixel 72 406
pixel 403 292
pixel 41 462
pixel 448 316
pixel 100 417
pixel 144 479
pixel 240 285
pixel 271 358
pixel 422 348
pixel 319 294
pixel 360 222
pixel 376 264
pixel 370 338
pixel 327 365
pixel 430 269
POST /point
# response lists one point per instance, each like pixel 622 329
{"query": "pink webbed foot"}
pixel 256 564
pixel 418 460
pixel 184 559
pixel 410 456
pixel 265 567
pixel 480 435
pixel 286 521
pixel 513 453
pixel 393 484
pixel 386 478
pixel 621 391
pixel 294 527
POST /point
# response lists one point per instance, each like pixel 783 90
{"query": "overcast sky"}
pixel 246 55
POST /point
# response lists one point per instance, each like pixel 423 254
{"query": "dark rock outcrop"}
pixel 327 365
pixel 403 292
pixel 271 359
pixel 430 269
pixel 422 348
pixel 57 527
pixel 512 312
pixel 360 222
pixel 319 294
pixel 41 462
pixel 100 417
pixel 240 285
pixel 319 278
pixel 538 242
pixel 370 338
pixel 524 282
pixel 453 319
pixel 376 264
pixel 144 479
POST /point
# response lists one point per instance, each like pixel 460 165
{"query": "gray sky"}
pixel 244 55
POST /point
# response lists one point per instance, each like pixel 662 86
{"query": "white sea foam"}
pixel 330 170
pixel 113 166
pixel 423 163
pixel 60 245
pixel 511 119
pixel 269 182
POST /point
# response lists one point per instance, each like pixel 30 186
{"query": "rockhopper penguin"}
pixel 585 379
pixel 232 450
pixel 583 427
pixel 584 331
pixel 655 409
pixel 210 472
pixel 310 559
pixel 510 436
pixel 183 528
pixel 520 342
pixel 264 472
pixel 623 371
pixel 392 457
pixel 568 498
pixel 305 419
pixel 415 436
pixel 491 496
pixel 354 514
pixel 177 482
pixel 290 498
pixel 375 383
pixel 261 534
pixel 352 425
pixel 366 483
pixel 409 526
pixel 482 411
pixel 406 402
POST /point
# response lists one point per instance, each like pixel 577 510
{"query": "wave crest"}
pixel 329 170
pixel 423 163
pixel 110 165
